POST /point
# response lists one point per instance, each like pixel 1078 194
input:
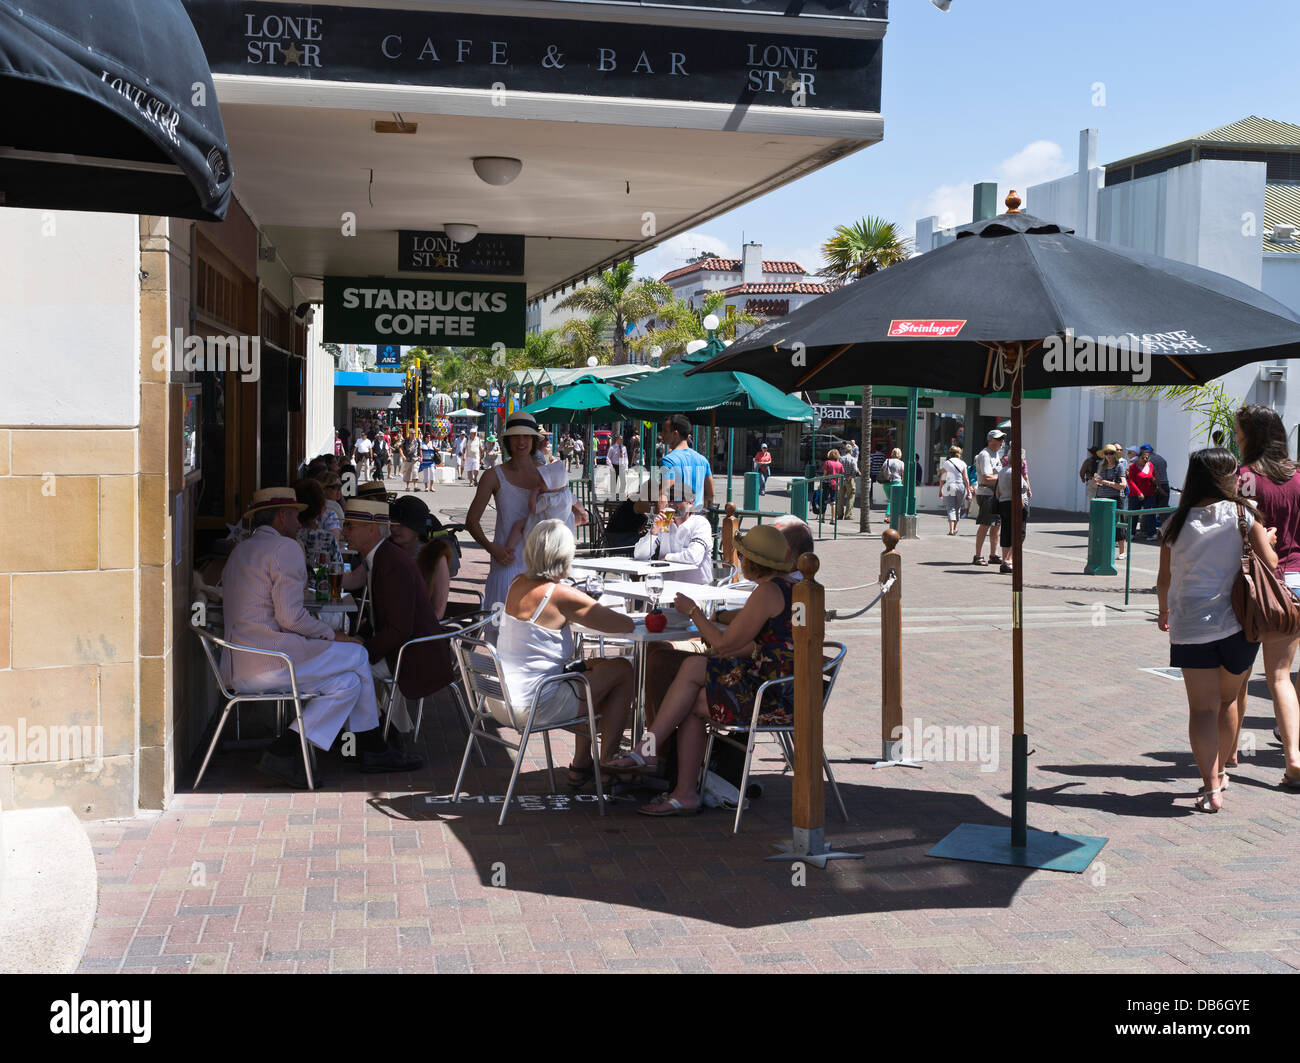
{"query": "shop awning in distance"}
pixel 369 381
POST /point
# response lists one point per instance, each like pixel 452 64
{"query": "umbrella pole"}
pixel 731 438
pixel 1019 740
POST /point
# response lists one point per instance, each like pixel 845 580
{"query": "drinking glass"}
pixel 336 581
pixel 596 585
pixel 654 585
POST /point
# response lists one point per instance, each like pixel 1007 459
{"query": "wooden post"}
pixel 891 648
pixel 809 790
pixel 730 555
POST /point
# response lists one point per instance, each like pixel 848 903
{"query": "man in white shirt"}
pixel 988 463
pixel 616 457
pixel 685 537
pixel 362 450
pixel 473 456
pixel 265 587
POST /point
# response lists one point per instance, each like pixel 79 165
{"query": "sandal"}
pixel 1224 776
pixel 1202 803
pixel 580 777
pixel 978 559
pixel 637 764
pixel 667 806
pixel 1289 782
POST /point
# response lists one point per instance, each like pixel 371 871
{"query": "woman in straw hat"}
pixel 756 646
pixel 511 485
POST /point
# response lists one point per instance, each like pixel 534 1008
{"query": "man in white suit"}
pixel 265 585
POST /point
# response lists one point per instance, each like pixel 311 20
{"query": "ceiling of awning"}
pixel 588 193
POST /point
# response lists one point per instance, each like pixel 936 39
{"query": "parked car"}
pixel 813 447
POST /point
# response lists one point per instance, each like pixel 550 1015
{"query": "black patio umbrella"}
pixel 1018 301
pixel 109 106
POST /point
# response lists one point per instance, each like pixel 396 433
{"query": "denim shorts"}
pixel 1233 654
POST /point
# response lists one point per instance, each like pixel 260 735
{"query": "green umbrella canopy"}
pixel 735 400
pixel 587 398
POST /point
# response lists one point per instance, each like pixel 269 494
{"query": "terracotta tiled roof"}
pixel 767 307
pixel 783 288
pixel 731 265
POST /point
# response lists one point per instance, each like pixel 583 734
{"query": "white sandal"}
pixel 1202 803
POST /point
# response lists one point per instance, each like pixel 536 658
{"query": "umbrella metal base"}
pixel 809 845
pixel 892 758
pixel 1048 850
pixel 907 526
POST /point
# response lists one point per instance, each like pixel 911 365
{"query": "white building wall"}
pixel 319 399
pixel 1280 278
pixel 70 318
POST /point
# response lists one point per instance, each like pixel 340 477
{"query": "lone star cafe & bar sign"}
pixel 411 313
pixel 570 56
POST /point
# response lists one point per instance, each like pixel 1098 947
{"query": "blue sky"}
pixel 998 90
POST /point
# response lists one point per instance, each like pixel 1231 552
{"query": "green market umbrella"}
pixel 586 400
pixel 726 400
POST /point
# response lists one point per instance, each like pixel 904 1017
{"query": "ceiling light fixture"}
pixel 497 169
pixel 460 231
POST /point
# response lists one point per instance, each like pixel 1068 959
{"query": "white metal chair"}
pixel 234 697
pixel 783 732
pixel 480 668
pixel 723 573
pixel 454 627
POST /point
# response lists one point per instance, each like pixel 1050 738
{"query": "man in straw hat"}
pixel 265 585
pixel 401 608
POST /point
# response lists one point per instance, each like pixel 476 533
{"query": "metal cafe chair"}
pixel 752 728
pixel 459 626
pixel 723 573
pixel 480 667
pixel 234 697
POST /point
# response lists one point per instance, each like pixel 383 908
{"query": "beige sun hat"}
pixel 522 424
pixel 766 546
pixel 274 498
pixel 366 511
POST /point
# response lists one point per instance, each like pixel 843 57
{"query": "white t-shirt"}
pixel 616 455
pixel 364 445
pixel 892 470
pixel 1203 565
pixel 986 464
pixel 690 542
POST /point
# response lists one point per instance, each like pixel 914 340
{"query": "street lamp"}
pixel 592 362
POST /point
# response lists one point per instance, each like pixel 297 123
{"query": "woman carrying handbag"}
pixel 1200 564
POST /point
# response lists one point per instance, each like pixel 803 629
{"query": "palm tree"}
pixel 622 299
pixel 855 251
pixel 585 338
pixel 677 323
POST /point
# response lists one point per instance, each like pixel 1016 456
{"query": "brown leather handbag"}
pixel 1263 603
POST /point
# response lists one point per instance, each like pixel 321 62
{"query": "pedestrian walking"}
pixel 988 464
pixel 1112 483
pixel 1200 560
pixel 891 472
pixel 833 468
pixel 616 459
pixel 1087 471
pixel 1005 502
pixel 381 455
pixel 877 462
pixel 1272 480
pixel 954 487
pixel 1142 489
pixel 410 449
pixel 1152 522
pixel 763 466
pixel 844 505
pixel 428 459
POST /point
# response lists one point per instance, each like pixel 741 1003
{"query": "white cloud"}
pixel 949 203
pixel 1043 160
pixel 674 252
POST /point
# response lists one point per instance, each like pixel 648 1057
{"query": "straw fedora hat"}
pixel 522 424
pixel 274 498
pixel 366 511
pixel 766 546
pixel 373 489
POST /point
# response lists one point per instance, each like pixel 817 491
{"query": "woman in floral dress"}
pixel 756 646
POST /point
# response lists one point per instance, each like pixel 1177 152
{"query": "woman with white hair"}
pixel 536 642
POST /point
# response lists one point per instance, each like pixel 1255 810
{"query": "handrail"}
pixel 803 482
pixel 1130 515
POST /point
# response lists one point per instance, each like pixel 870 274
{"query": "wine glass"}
pixel 654 585
pixel 596 585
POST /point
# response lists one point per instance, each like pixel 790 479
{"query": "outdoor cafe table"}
pixel 346 604
pixel 638 637
pixel 702 593
pixel 628 566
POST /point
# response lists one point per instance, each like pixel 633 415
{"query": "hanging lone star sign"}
pixel 293 54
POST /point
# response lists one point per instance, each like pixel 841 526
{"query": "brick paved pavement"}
pixel 375 873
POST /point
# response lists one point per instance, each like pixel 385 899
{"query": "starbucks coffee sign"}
pixel 415 312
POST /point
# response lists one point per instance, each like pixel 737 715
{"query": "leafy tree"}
pixel 586 338
pixel 622 299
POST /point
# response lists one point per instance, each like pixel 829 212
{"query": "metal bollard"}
pixel 1101 538
pixel 751 491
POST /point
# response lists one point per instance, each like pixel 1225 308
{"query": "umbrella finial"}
pixel 1013 202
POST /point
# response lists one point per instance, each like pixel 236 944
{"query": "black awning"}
pixel 109 106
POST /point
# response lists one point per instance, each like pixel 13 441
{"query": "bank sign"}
pixel 412 313
pixel 571 56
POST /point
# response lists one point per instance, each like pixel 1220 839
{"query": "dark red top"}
pixel 1279 507
pixel 1142 479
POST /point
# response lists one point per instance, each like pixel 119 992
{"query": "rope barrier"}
pixel 884 589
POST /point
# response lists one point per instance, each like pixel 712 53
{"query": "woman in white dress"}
pixel 511 485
